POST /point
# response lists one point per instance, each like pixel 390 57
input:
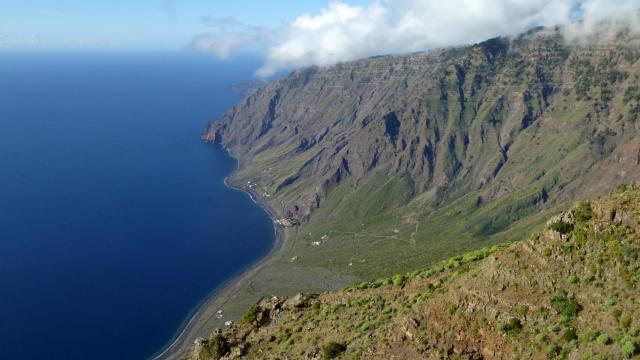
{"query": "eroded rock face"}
pixel 313 354
pixel 197 349
pixel 299 301
pixel 499 116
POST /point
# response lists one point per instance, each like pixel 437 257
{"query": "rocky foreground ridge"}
pixel 570 291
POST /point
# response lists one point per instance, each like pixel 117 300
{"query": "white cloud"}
pixel 227 34
pixel 220 46
pixel 342 32
pixel 602 19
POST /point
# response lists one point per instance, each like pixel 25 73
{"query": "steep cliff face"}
pixel 490 119
pixel 568 292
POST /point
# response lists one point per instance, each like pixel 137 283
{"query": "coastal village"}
pixel 286 222
pixel 289 222
pixel 282 222
pixel 257 187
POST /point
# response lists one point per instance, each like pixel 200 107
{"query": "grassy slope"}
pixel 557 295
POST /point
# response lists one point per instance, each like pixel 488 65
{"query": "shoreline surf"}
pixel 180 344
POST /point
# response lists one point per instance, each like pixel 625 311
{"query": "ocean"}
pixel 115 222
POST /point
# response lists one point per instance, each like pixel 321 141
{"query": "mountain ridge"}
pixel 350 137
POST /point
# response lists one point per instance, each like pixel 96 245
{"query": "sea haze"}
pixel 114 218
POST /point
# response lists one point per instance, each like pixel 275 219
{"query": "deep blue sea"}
pixel 114 219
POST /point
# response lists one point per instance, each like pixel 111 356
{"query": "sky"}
pixel 155 24
pixel 290 34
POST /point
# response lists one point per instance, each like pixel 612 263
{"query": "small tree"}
pixel 216 347
pixel 630 186
pixel 333 349
pixel 514 325
pixel 603 339
pixel 582 211
pixel 569 335
pixel 398 280
pixel 628 347
pixel 562 227
pixel 251 316
pixel 567 306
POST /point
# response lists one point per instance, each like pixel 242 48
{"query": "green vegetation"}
pixel 333 349
pixel 624 187
pixel 251 316
pixel 215 347
pixel 569 335
pixel 553 328
pixel 567 306
pixel 514 325
pixel 627 347
pixel 553 350
pixel 582 211
pixel 398 280
pixel 561 227
pixel 603 339
pixel 522 310
pixel 541 338
pixel 452 263
pixel 591 335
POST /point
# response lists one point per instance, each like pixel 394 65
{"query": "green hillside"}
pixel 571 291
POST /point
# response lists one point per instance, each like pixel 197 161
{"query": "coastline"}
pixel 180 344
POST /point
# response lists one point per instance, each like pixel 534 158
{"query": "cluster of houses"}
pixel 219 315
pixel 254 186
pixel 286 222
pixel 322 239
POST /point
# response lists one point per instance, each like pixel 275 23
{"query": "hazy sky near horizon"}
pixel 289 34
pixel 161 24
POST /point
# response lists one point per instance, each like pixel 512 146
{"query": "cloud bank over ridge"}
pixel 342 32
